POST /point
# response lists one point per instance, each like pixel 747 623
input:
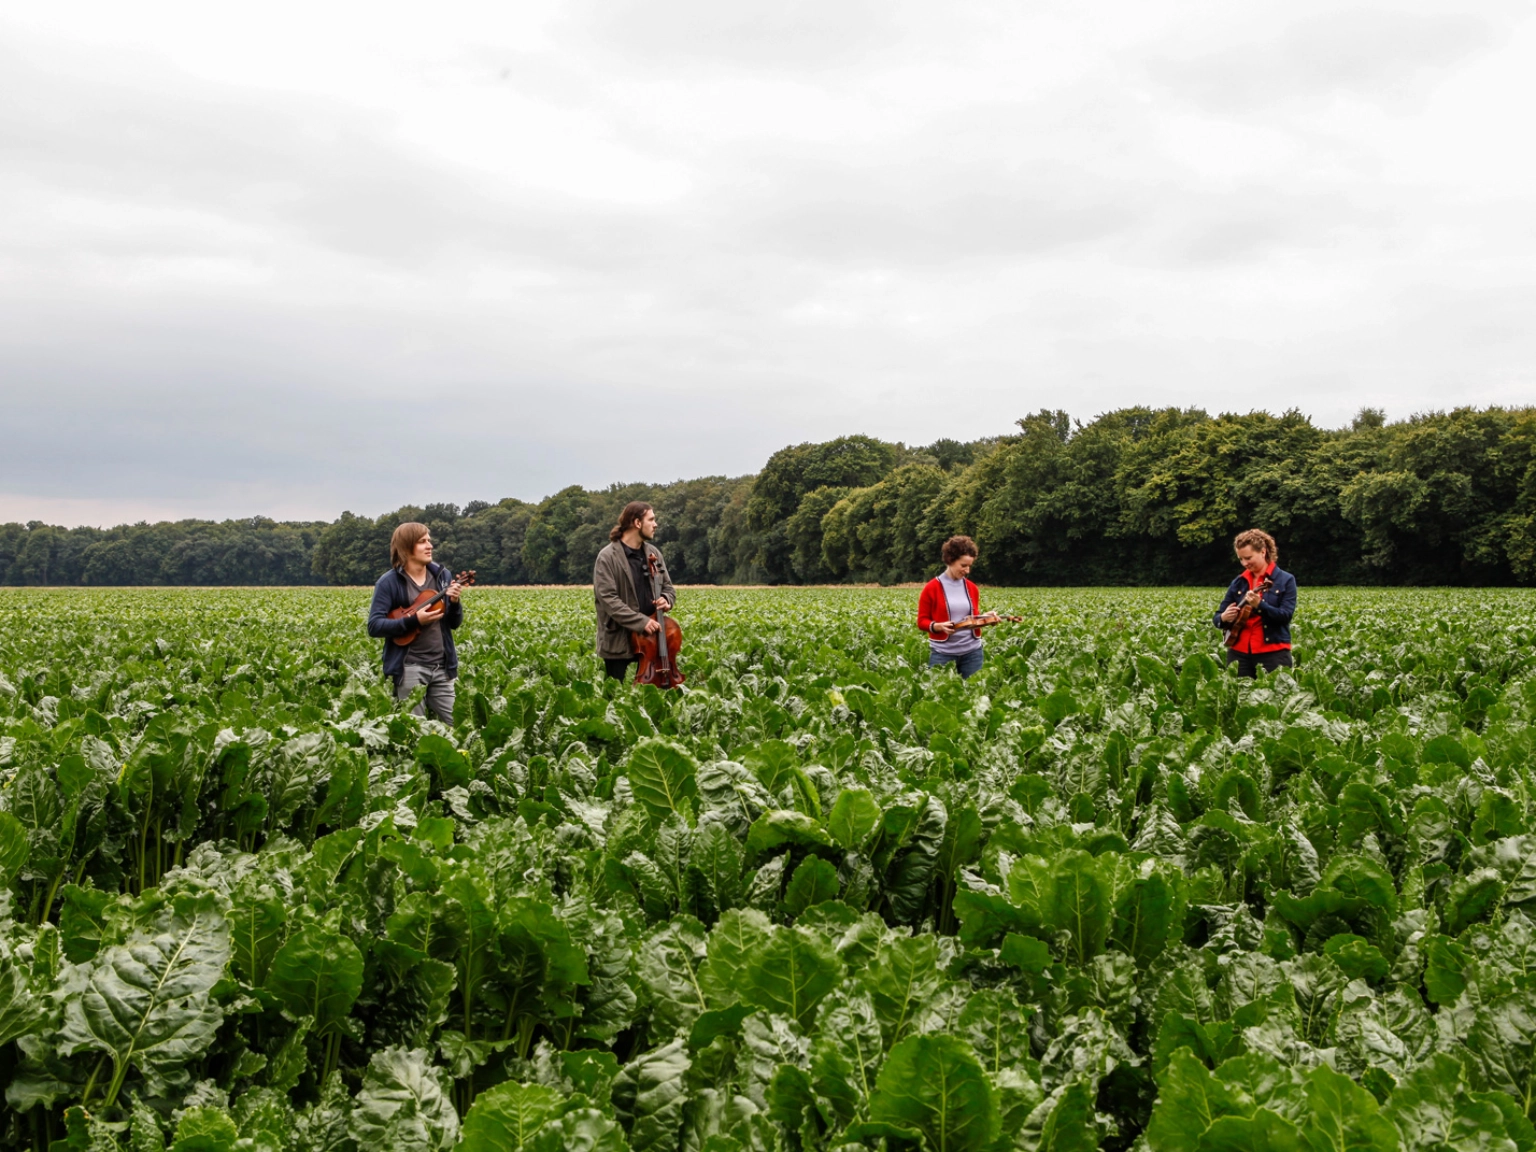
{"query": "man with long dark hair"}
pixel 621 586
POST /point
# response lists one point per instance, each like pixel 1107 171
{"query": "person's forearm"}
pixel 622 613
pixel 382 626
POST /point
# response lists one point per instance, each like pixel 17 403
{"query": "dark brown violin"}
pixel 1248 605
pixel 658 650
pixel 426 600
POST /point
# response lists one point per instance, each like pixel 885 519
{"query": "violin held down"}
pixel 658 650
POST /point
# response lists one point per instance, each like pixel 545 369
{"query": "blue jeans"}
pixel 967 664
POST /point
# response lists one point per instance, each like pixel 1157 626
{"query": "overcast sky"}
pixel 291 258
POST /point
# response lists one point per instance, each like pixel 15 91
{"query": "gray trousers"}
pixel 439 690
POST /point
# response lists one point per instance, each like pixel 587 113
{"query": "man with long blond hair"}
pixel 1265 637
pixel 429 659
pixel 621 587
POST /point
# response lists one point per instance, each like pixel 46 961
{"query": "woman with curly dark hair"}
pixel 1263 638
pixel 950 596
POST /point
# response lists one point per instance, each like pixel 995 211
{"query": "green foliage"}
pixel 662 775
pixel 1101 895
pixel 147 1003
pixel 1443 497
pixel 935 1085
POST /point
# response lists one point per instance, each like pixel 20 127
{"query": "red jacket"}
pixel 932 605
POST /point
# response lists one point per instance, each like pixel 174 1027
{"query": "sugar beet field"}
pixel 1101 896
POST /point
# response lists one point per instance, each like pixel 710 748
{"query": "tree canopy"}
pixel 1134 496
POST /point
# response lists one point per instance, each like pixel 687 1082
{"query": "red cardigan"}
pixel 932 605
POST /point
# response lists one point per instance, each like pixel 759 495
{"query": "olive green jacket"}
pixel 618 603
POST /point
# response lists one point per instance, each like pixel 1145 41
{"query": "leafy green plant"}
pixel 1102 895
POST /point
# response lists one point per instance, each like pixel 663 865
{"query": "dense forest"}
pixel 1136 496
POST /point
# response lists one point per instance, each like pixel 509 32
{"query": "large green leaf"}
pixel 1432 1107
pixel 20 1010
pixel 317 973
pixel 846 1054
pixel 1345 1117
pixel 535 948
pixel 450 765
pixel 1362 878
pixel 649 1095
pixel 1031 890
pixel 901 978
pixel 985 917
pixel 1500 1044
pixel 783 826
pixel 813 882
pixel 772 762
pixel 1189 1101
pixel 204 1129
pixel 83 916
pixel 147 1003
pixel 854 816
pixel 668 968
pixel 962 840
pixel 607 1003
pixel 256 923
pixel 729 794
pixel 912 868
pixel 580 1130
pixel 507 1117
pixel 715 864
pixel 1149 913
pixel 1264 1131
pixel 1065 1122
pixel 14 848
pixel 289 775
pixel 472 925
pixel 33 800
pixel 403 1105
pixel 662 774
pixel 997 1028
pixel 935 1085
pixel 1471 898
pixel 733 943
pixel 1080 904
pixel 790 972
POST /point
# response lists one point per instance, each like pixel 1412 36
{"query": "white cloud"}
pixel 299 258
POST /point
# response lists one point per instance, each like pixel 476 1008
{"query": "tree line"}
pixel 1135 496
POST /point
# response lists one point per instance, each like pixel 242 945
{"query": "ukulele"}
pixel 1249 605
pixel 656 650
pixel 425 600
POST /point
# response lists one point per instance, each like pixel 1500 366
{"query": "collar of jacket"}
pixel 646 548
pixel 1276 574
